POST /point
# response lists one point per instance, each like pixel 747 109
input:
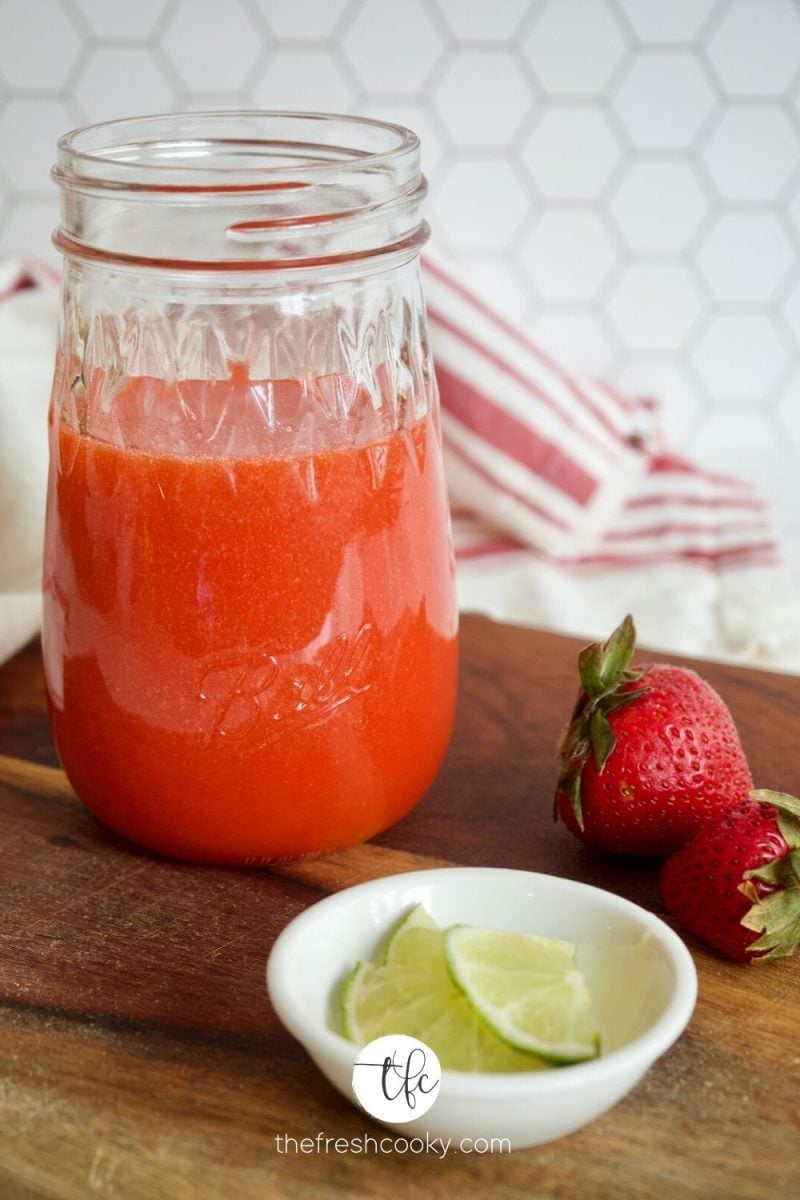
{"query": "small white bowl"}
pixel 640 975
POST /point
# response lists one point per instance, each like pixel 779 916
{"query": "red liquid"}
pixel 249 658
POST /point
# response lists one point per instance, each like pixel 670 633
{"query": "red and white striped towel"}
pixel 20 274
pixel 539 452
pixel 569 510
pixel 679 513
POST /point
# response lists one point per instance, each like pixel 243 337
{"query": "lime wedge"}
pixel 405 944
pixel 413 992
pixel 527 989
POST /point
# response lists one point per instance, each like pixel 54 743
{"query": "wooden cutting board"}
pixel 139 1056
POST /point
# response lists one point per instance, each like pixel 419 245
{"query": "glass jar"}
pixel 250 623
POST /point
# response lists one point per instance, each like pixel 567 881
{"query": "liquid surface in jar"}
pixel 248 657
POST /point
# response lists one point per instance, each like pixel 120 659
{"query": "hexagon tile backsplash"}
pixel 623 175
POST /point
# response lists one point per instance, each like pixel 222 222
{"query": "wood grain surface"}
pixel 139 1056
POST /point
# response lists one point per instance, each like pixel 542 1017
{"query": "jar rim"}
pixel 130 151
pixel 247 189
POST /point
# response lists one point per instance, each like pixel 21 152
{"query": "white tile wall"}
pixel 623 175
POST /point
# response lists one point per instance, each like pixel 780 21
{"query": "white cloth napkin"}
pixel 28 320
pixel 569 510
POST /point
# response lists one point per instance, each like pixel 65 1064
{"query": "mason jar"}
pixel 250 627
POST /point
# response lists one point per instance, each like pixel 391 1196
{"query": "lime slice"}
pixel 527 989
pixel 404 944
pixel 413 992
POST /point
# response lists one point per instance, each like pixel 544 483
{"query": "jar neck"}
pixel 240 192
pixel 155 359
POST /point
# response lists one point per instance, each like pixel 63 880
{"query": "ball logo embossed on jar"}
pixel 251 695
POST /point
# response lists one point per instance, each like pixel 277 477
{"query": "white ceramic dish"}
pixel 640 975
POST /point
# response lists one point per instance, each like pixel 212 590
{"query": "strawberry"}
pixel 736 885
pixel 650 755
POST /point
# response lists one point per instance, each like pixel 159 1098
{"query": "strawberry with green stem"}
pixel 736 885
pixel 650 756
